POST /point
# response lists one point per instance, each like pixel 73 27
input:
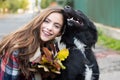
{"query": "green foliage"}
pixel 108 41
pixel 14 5
pixel 46 3
pixel 24 4
pixel 65 2
pixel 4 4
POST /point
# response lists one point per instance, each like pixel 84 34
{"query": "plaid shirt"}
pixel 9 68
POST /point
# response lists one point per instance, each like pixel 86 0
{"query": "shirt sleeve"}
pixel 9 67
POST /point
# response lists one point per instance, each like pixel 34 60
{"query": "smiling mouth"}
pixel 46 33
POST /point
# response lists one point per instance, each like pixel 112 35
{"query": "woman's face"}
pixel 51 27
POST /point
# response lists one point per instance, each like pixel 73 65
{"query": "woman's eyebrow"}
pixel 58 24
pixel 55 22
pixel 47 19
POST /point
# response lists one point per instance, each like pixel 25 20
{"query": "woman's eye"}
pixel 57 26
pixel 46 20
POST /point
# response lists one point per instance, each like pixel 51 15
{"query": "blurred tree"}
pixel 13 5
pixel 46 3
pixel 24 4
pixel 36 3
pixel 65 2
pixel 2 0
pixel 4 5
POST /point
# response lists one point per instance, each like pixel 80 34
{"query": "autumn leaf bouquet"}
pixel 52 63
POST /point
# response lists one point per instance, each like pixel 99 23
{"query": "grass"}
pixel 108 42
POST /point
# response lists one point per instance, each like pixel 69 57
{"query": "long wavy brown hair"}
pixel 27 39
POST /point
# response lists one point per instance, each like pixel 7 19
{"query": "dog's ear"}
pixel 92 25
pixel 93 31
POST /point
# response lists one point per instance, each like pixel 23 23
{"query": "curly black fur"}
pixel 83 30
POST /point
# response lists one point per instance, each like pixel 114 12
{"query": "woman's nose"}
pixel 50 26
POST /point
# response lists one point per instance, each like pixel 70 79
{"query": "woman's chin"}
pixel 45 39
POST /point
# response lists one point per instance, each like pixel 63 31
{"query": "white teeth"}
pixel 77 21
pixel 73 19
pixel 70 19
pixel 46 33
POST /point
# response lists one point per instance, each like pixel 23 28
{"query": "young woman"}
pixel 22 50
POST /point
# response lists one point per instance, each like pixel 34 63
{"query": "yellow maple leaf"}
pixel 63 54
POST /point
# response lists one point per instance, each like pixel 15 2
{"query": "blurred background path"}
pixel 109 63
pixel 11 22
pixel 108 60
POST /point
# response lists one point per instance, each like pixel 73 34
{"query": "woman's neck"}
pixel 43 44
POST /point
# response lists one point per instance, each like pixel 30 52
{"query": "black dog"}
pixel 79 37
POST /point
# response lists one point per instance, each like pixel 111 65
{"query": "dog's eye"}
pixel 74 18
pixel 81 22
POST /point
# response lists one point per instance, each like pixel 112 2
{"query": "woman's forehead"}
pixel 57 17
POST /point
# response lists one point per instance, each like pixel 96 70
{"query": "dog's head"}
pixel 79 26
